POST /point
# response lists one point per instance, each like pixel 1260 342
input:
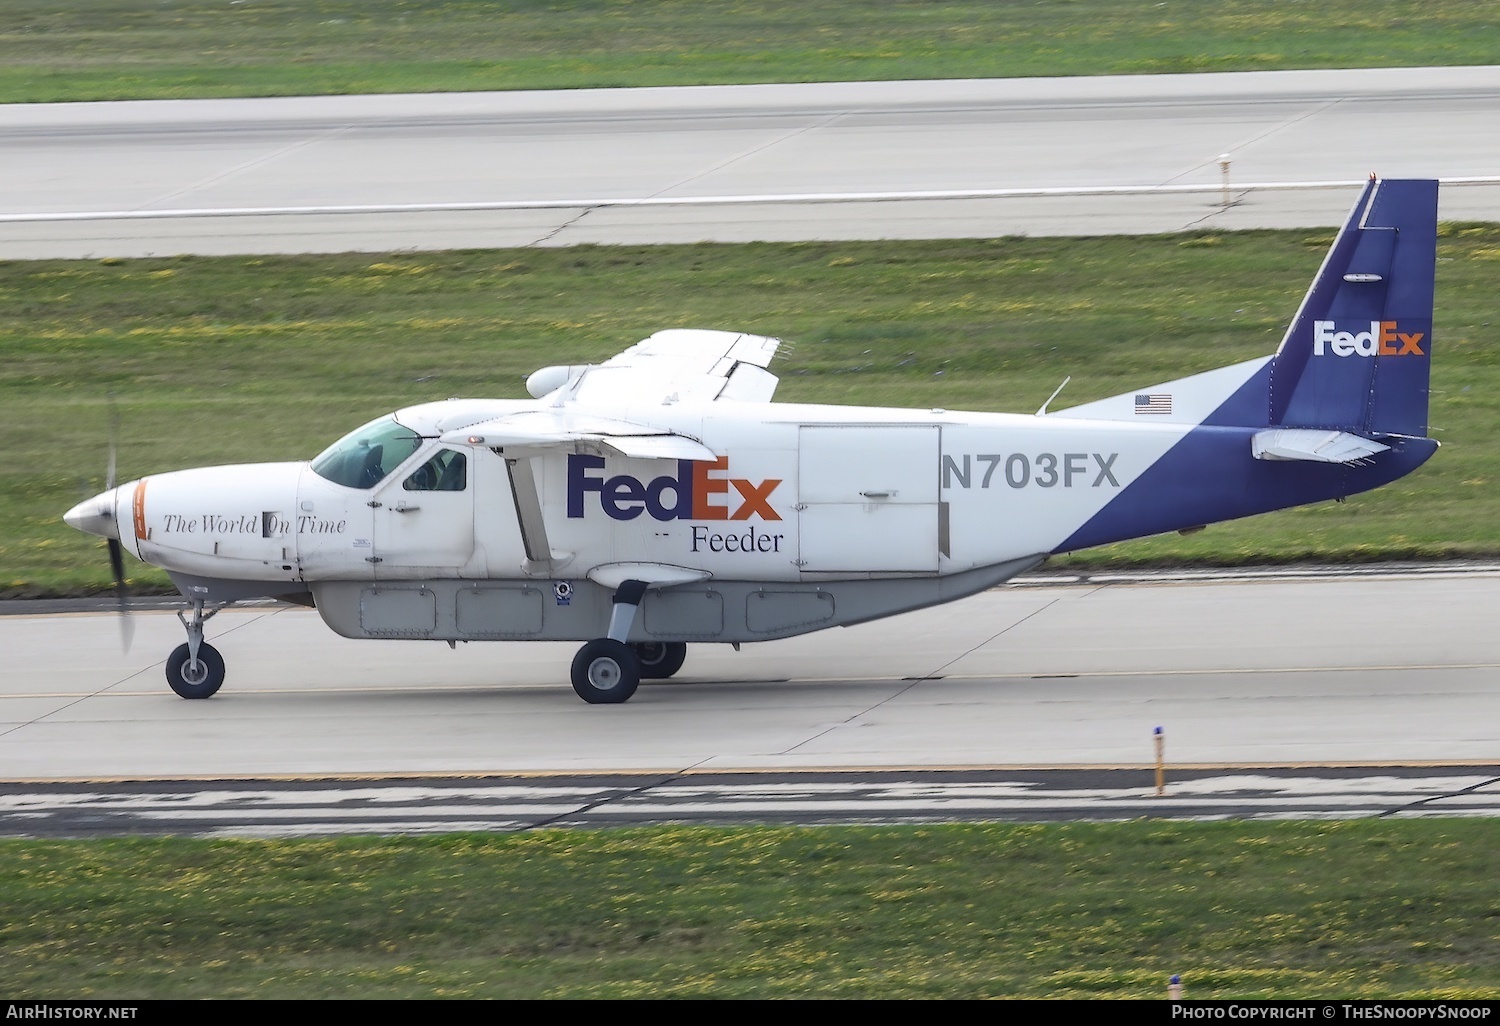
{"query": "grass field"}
pixel 57 50
pixel 1352 909
pixel 234 359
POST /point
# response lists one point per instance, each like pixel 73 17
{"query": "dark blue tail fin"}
pixel 1356 357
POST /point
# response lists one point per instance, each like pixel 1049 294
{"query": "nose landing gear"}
pixel 195 670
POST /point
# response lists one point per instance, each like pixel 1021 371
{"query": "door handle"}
pixel 405 509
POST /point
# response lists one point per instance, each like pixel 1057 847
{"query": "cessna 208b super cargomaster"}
pixel 660 498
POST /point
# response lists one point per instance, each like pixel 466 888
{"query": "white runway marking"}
pixel 404 808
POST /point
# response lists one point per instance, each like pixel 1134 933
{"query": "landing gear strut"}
pixel 195 670
pixel 607 671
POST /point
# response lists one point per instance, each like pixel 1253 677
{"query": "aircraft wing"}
pixel 533 430
pixel 685 365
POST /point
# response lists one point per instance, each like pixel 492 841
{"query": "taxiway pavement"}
pixel 160 177
pixel 1374 670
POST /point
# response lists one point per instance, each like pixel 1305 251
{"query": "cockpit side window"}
pixel 447 471
pixel 363 458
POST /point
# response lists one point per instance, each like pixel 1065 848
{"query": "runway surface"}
pixel 1328 696
pixel 119 169
pixel 1374 670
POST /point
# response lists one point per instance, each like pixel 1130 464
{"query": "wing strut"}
pixel 541 560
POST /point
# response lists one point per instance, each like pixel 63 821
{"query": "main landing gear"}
pixel 195 670
pixel 659 659
pixel 606 671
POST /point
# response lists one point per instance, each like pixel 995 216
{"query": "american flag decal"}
pixel 1153 402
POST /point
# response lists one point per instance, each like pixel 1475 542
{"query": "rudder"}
pixel 1357 356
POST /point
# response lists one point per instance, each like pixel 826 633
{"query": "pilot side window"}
pixel 363 458
pixel 447 471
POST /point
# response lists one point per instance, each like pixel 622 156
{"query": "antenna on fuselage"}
pixel 1042 412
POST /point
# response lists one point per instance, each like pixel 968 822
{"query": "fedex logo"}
pixel 1383 339
pixel 700 491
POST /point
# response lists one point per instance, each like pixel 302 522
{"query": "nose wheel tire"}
pixel 199 678
pixel 659 659
pixel 605 672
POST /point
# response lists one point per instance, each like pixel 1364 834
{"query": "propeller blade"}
pixel 117 564
pixel 116 550
pixel 114 436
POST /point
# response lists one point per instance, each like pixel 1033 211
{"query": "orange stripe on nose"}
pixel 138 509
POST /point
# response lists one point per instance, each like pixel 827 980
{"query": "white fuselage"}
pixel 808 493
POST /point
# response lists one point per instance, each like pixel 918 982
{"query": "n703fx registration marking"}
pixel 1021 470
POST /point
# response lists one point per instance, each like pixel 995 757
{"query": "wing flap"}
pixel 658 447
pixel 552 428
pixel 681 365
pixel 703 350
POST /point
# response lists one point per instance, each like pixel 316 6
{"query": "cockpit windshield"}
pixel 363 458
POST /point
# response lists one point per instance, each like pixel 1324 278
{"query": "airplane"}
pixel 661 498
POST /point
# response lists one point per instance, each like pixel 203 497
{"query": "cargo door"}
pixel 868 498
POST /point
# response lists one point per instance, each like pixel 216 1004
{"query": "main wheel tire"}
pixel 659 659
pixel 605 672
pixel 195 680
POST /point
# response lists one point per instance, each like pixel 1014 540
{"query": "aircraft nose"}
pixel 96 515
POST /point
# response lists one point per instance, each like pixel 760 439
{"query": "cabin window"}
pixel 363 458
pixel 447 471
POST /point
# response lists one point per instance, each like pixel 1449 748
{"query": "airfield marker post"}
pixel 1160 737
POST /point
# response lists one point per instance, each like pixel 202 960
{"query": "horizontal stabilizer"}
pixel 1313 446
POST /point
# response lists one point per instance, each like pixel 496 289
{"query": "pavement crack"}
pixel 607 797
pixel 912 682
pixel 243 166
pixel 564 226
pixel 1421 802
pixel 97 692
pixel 938 673
pixel 751 151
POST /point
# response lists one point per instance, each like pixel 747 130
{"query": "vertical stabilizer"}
pixel 1357 356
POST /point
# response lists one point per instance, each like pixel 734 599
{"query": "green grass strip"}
pixel 1326 910
pixel 59 50
pixel 233 359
